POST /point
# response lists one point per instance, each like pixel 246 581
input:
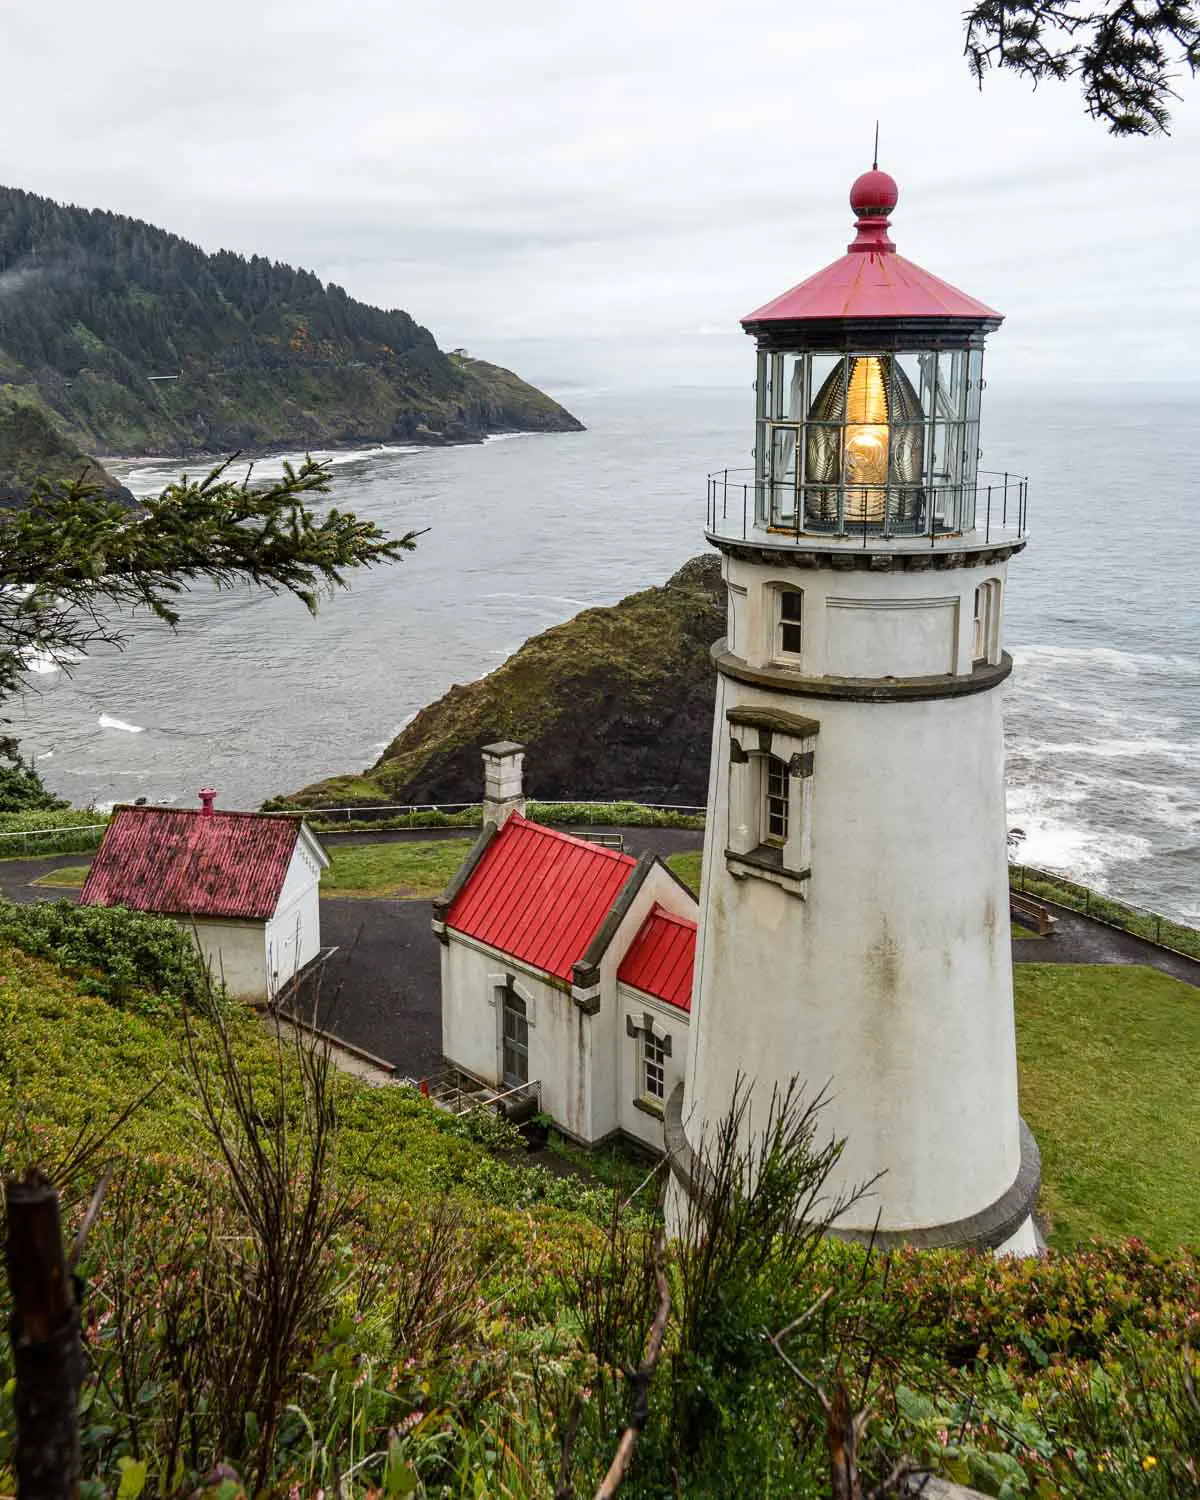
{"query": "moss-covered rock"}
pixel 616 703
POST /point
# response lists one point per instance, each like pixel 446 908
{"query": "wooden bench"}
pixel 608 840
pixel 1032 914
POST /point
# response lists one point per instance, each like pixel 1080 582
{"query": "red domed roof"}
pixel 871 280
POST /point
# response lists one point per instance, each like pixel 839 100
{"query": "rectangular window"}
pixel 654 1068
pixel 775 802
pixel 791 603
pixel 516 1039
pixel 979 648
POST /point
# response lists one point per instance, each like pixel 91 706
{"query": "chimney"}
pixel 207 797
pixel 502 790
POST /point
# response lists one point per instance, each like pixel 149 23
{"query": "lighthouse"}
pixel 854 920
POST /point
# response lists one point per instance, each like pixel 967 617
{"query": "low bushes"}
pixel 608 814
pixel 128 958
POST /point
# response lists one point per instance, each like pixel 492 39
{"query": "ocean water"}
pixel 1103 617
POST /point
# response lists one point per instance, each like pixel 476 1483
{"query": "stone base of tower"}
pixel 1005 1226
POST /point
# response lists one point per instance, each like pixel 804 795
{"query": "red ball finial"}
pixel 872 198
pixel 875 192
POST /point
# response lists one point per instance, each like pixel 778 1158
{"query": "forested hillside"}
pixel 142 343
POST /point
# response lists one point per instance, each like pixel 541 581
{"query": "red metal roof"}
pixel 661 957
pixel 177 861
pixel 539 895
pixel 871 280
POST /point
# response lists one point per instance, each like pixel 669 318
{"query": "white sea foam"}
pixel 106 721
pixel 1128 663
pixel 35 659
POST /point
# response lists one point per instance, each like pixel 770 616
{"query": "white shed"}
pixel 569 966
pixel 245 884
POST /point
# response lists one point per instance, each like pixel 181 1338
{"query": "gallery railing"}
pixel 742 507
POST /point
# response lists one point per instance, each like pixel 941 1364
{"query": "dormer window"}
pixel 769 832
pixel 789 610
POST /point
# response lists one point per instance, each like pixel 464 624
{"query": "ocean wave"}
pixel 106 721
pixel 1172 750
pixel 36 659
pixel 1128 663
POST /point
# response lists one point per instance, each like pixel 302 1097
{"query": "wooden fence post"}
pixel 47 1354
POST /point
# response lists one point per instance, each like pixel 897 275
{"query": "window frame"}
pixel 775 810
pixel 985 624
pixel 781 623
pixel 519 1046
pixel 650 1043
pixel 756 738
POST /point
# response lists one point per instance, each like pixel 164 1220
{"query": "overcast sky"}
pixel 595 193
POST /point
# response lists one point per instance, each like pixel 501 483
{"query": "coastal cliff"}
pixel 615 703
pixel 32 447
pixel 138 342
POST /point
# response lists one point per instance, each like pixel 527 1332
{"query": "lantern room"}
pixel 868 402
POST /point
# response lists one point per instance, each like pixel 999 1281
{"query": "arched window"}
pixel 789 622
pixel 986 631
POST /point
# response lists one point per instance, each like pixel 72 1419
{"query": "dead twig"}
pixel 639 1381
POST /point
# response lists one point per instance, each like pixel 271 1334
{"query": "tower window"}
pixel 775 802
pixel 789 636
pixel 985 645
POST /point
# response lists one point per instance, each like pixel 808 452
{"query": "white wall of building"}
pixel 235 952
pixel 859 623
pixel 293 935
pixel 560 1038
pixel 889 978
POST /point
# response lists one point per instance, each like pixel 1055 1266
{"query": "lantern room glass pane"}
pixel 867 441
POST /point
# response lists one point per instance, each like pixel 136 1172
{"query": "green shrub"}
pixel 21 787
pixel 134 960
pixel 68 830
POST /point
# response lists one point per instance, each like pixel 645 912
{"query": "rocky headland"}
pixel 615 703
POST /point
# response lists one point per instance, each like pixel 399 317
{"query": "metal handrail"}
pixel 998 501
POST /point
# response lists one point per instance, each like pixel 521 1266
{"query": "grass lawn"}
pixel 687 867
pixel 68 877
pixel 1108 1059
pixel 401 869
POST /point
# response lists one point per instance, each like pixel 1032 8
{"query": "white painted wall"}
pixel 860 623
pixel 560 1040
pixel 256 959
pixel 668 1021
pixel 236 953
pixel 890 979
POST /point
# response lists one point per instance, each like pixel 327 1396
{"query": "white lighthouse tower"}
pixel 854 927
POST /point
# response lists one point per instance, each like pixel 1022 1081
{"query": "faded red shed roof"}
pixel 177 861
pixel 661 958
pixel 539 895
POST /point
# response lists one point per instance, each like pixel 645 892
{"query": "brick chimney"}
pixel 502 772
pixel 208 796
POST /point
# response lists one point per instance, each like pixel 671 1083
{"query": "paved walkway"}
pixel 380 989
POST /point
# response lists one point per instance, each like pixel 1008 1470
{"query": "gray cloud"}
pixel 604 190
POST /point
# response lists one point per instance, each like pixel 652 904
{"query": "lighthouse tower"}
pixel 854 928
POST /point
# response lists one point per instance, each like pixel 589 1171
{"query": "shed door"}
pixel 515 1039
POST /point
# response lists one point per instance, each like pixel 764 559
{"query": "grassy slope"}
pixel 67 1059
pixel 1108 1061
